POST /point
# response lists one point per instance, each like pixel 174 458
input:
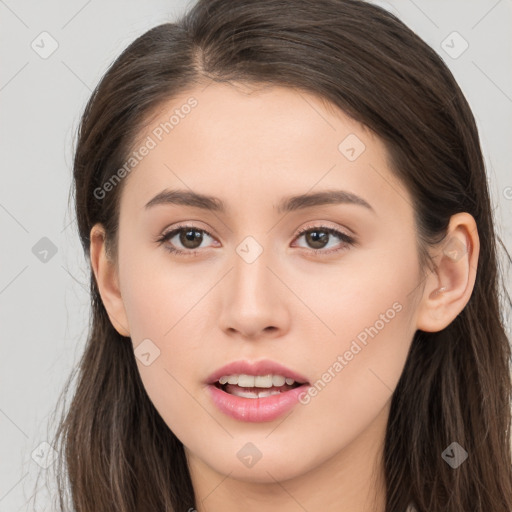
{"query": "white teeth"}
pixel 263 381
pixel 263 394
pixel 250 394
pixel 244 394
pixel 246 381
pixel 278 380
pixel 258 381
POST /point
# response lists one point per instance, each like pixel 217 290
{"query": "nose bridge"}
pixel 251 278
pixel 252 300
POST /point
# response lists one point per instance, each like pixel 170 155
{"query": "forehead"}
pixel 250 140
pixel 248 113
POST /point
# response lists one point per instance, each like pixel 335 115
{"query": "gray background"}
pixel 44 305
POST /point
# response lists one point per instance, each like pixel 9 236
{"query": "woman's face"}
pixel 335 309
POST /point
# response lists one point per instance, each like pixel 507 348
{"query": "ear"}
pixel 107 279
pixel 448 288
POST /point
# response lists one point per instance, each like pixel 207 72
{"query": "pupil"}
pixel 314 239
pixel 191 236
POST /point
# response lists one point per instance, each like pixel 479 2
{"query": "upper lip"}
pixel 262 367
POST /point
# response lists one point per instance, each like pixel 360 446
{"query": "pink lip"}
pixel 255 409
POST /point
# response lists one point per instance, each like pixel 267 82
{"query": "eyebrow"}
pixel 287 204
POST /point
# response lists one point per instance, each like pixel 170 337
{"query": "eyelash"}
pixel 346 239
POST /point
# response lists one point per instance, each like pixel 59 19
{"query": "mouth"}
pixel 255 392
pixel 256 386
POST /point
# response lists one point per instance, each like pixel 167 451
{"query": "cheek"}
pixel 368 291
pixel 369 311
pixel 163 322
pixel 165 310
pixel 354 380
pixel 157 293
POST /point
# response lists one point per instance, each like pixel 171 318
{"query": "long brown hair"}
pixel 115 451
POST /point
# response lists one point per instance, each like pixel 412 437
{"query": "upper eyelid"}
pixel 324 225
pixel 185 226
pixel 314 225
pixel 297 231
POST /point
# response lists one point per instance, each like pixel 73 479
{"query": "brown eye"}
pixel 184 240
pixel 317 238
pixel 190 238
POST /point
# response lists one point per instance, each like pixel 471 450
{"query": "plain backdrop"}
pixel 53 54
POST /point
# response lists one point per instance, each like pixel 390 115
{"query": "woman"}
pixel 294 276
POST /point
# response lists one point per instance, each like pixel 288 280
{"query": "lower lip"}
pixel 256 409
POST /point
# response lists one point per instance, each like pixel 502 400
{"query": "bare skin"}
pixel 251 147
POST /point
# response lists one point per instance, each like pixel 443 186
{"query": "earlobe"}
pixel 449 287
pixel 105 272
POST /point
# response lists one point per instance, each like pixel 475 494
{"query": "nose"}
pixel 255 303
